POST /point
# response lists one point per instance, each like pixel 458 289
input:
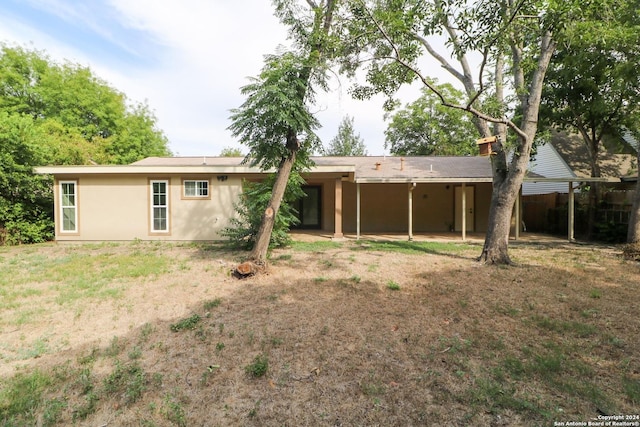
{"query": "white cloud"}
pixel 202 52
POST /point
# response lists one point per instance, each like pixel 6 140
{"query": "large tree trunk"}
pixel 592 209
pixel 633 233
pixel 323 17
pixel 259 252
pixel 496 243
pixel 506 187
pixel 593 145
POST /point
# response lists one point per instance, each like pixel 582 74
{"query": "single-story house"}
pixel 192 198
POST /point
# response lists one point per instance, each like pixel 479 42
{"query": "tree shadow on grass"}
pixel 453 250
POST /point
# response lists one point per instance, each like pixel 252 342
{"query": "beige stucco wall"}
pixel 328 189
pixel 385 207
pixel 483 203
pixel 117 207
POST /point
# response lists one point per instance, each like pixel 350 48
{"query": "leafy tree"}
pixel 513 41
pixel 593 85
pixel 231 152
pixel 255 197
pixel 25 198
pixel 82 115
pixel 275 121
pixel 426 127
pixel 137 136
pixel 59 114
pixel 633 233
pixel 346 142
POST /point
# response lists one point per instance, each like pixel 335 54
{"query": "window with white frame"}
pixel 68 206
pixel 159 206
pixel 196 188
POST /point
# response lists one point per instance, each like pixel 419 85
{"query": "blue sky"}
pixel 187 59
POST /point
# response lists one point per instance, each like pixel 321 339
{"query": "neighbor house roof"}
pixel 574 152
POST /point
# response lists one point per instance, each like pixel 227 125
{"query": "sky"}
pixel 186 59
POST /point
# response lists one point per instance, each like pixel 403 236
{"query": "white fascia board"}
pixel 158 170
pixel 133 169
pixel 439 180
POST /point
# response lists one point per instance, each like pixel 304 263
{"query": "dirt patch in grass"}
pixel 352 334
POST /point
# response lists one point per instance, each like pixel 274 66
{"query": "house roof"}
pixel 574 152
pixel 362 169
pixel 366 169
pixel 177 165
pixel 370 168
pixel 375 169
pixel 391 168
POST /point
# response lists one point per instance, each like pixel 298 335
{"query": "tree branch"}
pixel 445 64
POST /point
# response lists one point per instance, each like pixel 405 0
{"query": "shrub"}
pixel 253 202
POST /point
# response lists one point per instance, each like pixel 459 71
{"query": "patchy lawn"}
pixel 357 333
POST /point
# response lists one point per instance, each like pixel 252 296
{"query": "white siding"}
pixel 549 164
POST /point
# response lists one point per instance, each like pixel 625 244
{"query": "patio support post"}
pixel 358 211
pixel 571 209
pixel 411 187
pixel 337 234
pixel 464 211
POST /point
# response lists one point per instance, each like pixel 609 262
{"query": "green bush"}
pixel 610 232
pixel 25 222
pixel 253 202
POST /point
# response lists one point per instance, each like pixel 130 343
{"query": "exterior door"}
pixel 470 208
pixel 309 207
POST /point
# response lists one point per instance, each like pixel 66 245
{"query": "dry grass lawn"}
pixel 369 333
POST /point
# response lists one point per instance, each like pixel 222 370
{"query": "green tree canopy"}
pixel 59 114
pixel 26 209
pixel 275 121
pixel 82 115
pixel 346 142
pixel 275 118
pixel 512 43
pixel 231 152
pixel 593 84
pixel 425 127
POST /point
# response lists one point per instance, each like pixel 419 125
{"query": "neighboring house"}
pixel 192 198
pixel 549 164
pixel 564 162
pixel 616 157
pixel 631 177
pixel 565 158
